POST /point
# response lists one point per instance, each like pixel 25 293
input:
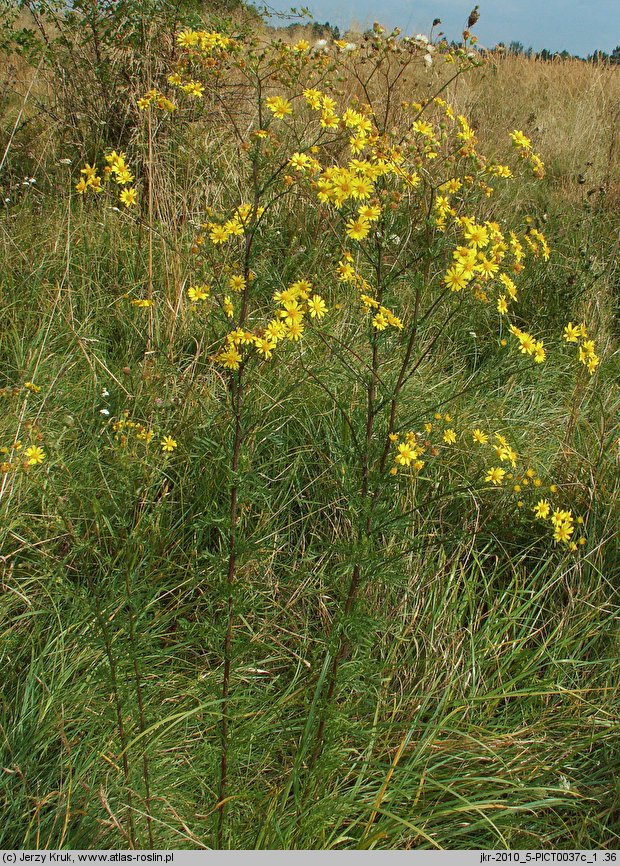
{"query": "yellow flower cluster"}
pixel 479 260
pixel 301 162
pixel 33 455
pixel 428 144
pixel 204 41
pixel 362 133
pixel 409 451
pixel 90 180
pixel 295 303
pixel 414 446
pixel 587 351
pixel 204 47
pixel 117 169
pixel 156 98
pixel 337 185
pixel 562 521
pixel 382 317
pixel 524 146
pixel 536 241
pixel 15 391
pixel 125 428
pixel 528 345
pixel 220 233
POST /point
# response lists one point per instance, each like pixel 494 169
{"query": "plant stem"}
pixel 368 504
pixel 131 835
pixel 237 393
pixel 141 715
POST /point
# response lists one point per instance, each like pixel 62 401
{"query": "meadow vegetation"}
pixel 309 438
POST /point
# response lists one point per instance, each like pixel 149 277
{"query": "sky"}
pixel 579 26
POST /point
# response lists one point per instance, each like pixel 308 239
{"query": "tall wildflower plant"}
pixel 407 250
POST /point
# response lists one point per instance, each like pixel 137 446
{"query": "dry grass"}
pixel 570 108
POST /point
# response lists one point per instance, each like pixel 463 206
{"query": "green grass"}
pixel 478 705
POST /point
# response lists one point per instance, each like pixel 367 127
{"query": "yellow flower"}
pixel 560 516
pixel 495 475
pixel 449 437
pixel 292 312
pixel 194 88
pixel 218 233
pixel 358 228
pixel 187 38
pixel 480 436
pixel 198 293
pixel 145 435
pixel 299 161
pixel 477 235
pixel 380 322
pixel 278 106
pixel 563 532
pixel 124 176
pixel 295 331
pixel 542 509
pixel 345 272
pixel 265 346
pixel 422 128
pixel 572 333
pixel 502 306
pixel 34 455
pixel 370 212
pixel 230 359
pixel 519 140
pixel 456 278
pixel 89 172
pixel 312 97
pixel 406 453
pixel 317 307
pixel 275 331
pixel 236 283
pixel 128 196
pixel 505 452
